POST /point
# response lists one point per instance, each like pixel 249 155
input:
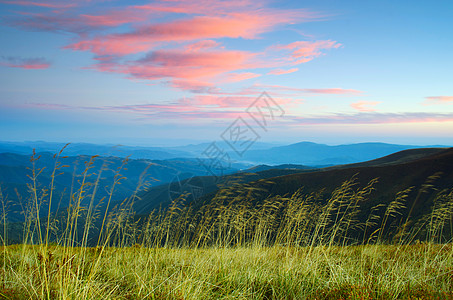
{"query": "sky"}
pixel 172 72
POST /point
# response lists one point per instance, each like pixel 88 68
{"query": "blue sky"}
pixel 157 72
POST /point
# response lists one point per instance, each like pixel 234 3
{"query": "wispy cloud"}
pixel 234 77
pixel 234 25
pixel 220 107
pixel 293 90
pixel 438 100
pixel 24 63
pixel 47 4
pixel 199 106
pixel 305 51
pixel 194 86
pixel 365 106
pixel 282 71
pixel 374 118
pixel 195 70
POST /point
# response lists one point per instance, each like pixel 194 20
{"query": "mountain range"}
pixel 422 172
pixel 303 153
pixel 16 172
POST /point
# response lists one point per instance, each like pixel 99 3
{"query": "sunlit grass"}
pixel 350 272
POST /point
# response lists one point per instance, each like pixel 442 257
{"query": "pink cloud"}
pixel 232 25
pixel 439 100
pixel 112 19
pixel 334 91
pixel 331 91
pixel 193 86
pixel 281 91
pixel 178 39
pixel 71 20
pixel 234 77
pixel 224 59
pixel 199 7
pixel 206 106
pixel 40 4
pixel 224 102
pixel 25 63
pixel 305 51
pixel 282 72
pixel 113 45
pixel 187 69
pixel 365 106
pixel 231 102
pixel 205 44
pixel 147 37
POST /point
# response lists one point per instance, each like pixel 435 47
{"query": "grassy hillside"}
pixel 323 234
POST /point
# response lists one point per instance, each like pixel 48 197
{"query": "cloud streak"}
pixel 45 4
pixel 324 91
pixel 374 118
pixel 282 72
pixel 305 51
pixel 365 106
pixel 25 63
pixel 233 25
pixel 438 100
pixel 212 107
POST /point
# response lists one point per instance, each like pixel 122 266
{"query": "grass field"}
pixel 423 271
pixel 301 246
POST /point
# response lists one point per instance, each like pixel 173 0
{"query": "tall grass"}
pixel 242 244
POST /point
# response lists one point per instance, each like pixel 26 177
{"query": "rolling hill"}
pixel 411 188
pixel 287 178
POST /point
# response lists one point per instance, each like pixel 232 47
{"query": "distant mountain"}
pixel 313 154
pixel 75 149
pixel 15 170
pixel 303 153
pixel 197 149
pixel 136 152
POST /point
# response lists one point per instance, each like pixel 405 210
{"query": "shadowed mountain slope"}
pixel 298 176
pixel 426 177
